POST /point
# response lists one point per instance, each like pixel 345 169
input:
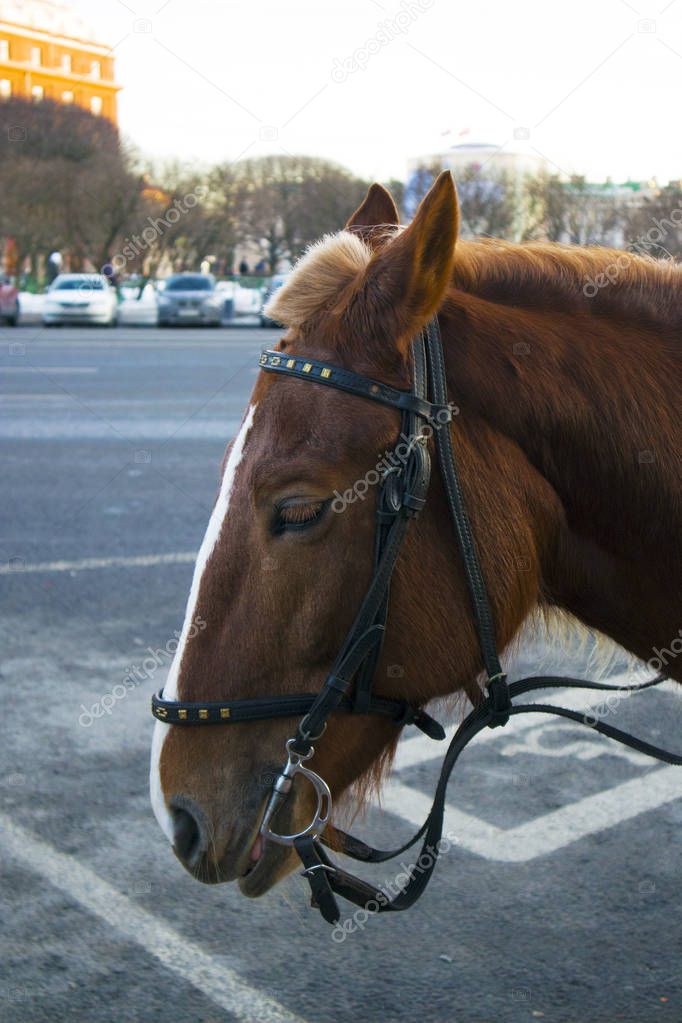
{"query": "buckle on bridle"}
pixel 306 737
pixel 499 700
pixel 413 504
pixel 392 489
pixel 440 415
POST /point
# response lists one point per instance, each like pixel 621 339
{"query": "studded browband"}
pixel 353 383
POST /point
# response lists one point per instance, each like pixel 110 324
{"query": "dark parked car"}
pixel 9 301
pixel 190 298
pixel 275 284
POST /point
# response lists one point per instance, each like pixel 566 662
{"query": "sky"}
pixel 591 85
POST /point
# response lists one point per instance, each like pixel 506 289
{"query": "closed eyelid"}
pixel 276 477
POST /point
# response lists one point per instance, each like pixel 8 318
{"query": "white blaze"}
pixel 170 689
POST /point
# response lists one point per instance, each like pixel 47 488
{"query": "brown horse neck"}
pixel 591 404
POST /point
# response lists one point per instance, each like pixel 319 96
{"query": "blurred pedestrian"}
pixel 54 266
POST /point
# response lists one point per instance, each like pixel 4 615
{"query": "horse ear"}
pixel 377 209
pixel 409 275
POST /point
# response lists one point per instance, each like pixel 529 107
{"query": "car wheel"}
pixel 13 319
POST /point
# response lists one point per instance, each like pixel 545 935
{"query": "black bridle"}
pixel 425 412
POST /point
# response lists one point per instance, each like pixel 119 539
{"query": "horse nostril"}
pixel 189 837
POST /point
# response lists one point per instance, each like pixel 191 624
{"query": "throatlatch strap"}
pixel 414 478
pixel 496 684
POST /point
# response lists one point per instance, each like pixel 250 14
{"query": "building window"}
pixel 4 49
pixel 36 56
pixel 96 105
pixel 37 93
pixel 5 88
pixel 66 62
pixel 95 69
pixel 67 97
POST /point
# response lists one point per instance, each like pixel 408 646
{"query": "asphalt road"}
pixel 560 899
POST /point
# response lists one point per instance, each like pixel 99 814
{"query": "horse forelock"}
pixel 319 277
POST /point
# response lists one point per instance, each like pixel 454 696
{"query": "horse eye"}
pixel 297 514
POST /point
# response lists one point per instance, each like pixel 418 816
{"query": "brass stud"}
pixel 161 712
pixel 275 361
pixel 224 712
pixel 326 373
pixel 263 359
pixel 182 714
pixel 307 367
pixel 291 363
pixel 203 714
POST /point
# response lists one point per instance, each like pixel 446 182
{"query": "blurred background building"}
pixel 48 52
pixel 483 156
pixel 512 191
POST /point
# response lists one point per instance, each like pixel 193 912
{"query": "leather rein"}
pixel 402 495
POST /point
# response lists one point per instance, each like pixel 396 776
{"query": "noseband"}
pixel 402 495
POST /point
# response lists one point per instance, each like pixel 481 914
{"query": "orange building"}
pixel 47 52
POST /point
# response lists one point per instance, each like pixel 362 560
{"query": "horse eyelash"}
pixel 298 515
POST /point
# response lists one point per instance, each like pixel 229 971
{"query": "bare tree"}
pixel 65 182
pixel 654 226
pixel 489 204
pixel 282 204
pixel 575 211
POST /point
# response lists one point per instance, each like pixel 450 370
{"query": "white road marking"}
pixel 551 831
pixel 38 397
pixel 211 977
pixel 17 566
pixel 47 370
pixel 582 746
pixel 545 834
pixel 170 689
pixel 420 749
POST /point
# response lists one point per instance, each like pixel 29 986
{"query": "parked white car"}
pixel 81 298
